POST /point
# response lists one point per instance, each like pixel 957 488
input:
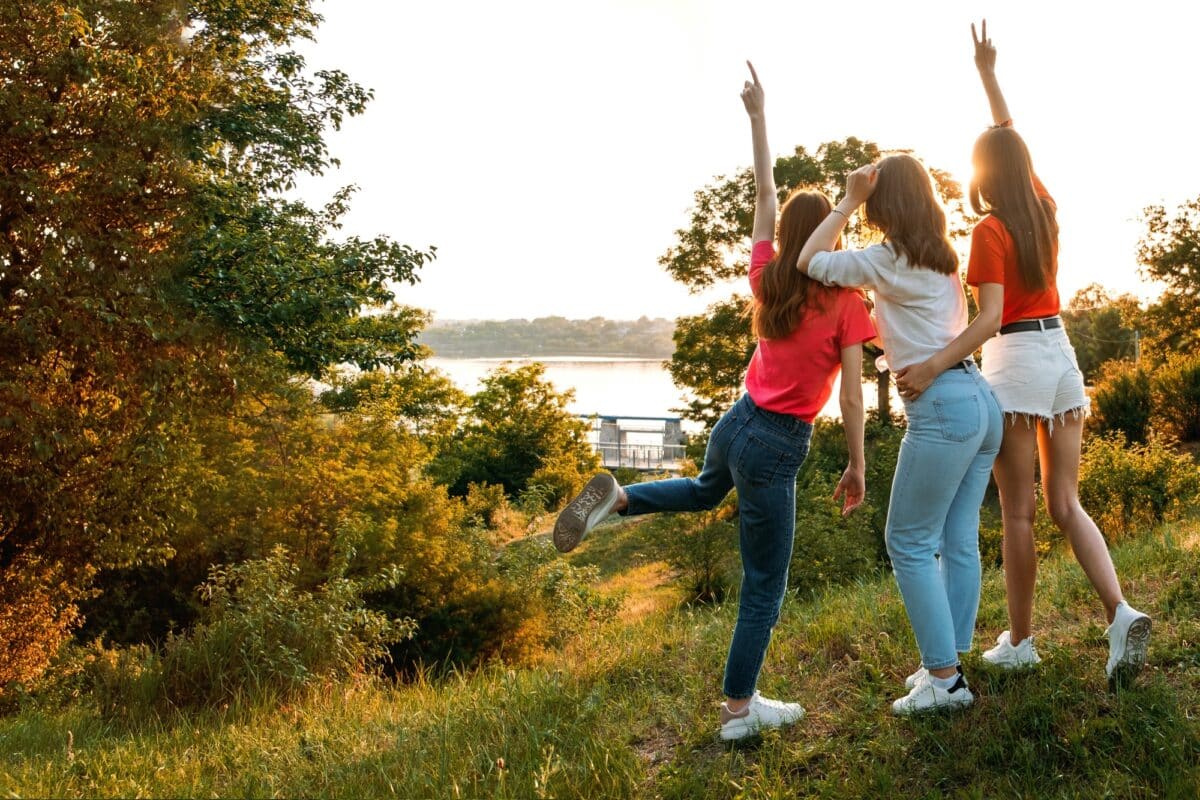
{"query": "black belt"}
pixel 1032 325
pixel 963 365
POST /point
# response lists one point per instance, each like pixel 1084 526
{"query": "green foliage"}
pixel 153 281
pixel 422 399
pixel 711 353
pixel 486 504
pixel 1170 252
pixel 703 549
pixel 544 336
pixel 830 548
pixel 827 458
pixel 1176 390
pixel 558 592
pixel 261 634
pixel 266 272
pixel 518 432
pixel 631 713
pixel 1122 401
pixel 715 246
pixel 1129 486
pixel 627 475
pixel 1101 328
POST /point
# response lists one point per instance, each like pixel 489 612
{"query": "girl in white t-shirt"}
pixel 954 428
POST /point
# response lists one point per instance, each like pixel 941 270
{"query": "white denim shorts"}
pixel 1035 374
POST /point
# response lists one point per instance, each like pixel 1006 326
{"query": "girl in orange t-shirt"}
pixel 1032 369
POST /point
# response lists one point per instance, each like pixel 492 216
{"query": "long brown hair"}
pixel 1003 187
pixel 785 292
pixel 905 209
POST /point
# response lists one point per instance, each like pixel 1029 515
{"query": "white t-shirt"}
pixel 917 311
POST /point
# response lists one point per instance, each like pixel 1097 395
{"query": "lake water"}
pixel 606 386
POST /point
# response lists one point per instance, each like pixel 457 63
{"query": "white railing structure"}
pixel 654 444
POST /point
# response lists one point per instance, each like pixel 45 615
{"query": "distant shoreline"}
pixel 552 338
pixel 553 356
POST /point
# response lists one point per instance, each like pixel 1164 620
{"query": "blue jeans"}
pixel 759 452
pixel 953 436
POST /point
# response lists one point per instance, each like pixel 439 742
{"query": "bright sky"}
pixel 550 149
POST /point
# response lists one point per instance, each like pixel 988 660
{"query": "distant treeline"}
pixel 649 338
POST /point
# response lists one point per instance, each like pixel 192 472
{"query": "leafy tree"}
pixel 422 399
pixel 1170 252
pixel 149 269
pixel 1122 401
pixel 518 434
pixel 713 349
pixel 1101 327
pixel 710 358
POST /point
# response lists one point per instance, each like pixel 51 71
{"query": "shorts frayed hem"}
pixel 1077 413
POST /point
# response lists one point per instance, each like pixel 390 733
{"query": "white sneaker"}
pixel 1128 639
pixel 921 674
pixel 925 696
pixel 759 713
pixel 1007 656
pixel 585 511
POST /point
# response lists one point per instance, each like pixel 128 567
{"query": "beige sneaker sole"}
pixel 586 510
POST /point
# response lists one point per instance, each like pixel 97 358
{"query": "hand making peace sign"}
pixel 985 51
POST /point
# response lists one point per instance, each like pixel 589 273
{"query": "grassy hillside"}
pixel 630 710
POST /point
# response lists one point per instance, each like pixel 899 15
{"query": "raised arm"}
pixel 915 379
pixel 985 62
pixel 853 486
pixel 859 185
pixel 766 200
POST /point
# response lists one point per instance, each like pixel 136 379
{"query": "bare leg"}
pixel 1060 480
pixel 1015 479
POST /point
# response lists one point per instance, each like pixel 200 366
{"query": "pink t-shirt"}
pixel 795 375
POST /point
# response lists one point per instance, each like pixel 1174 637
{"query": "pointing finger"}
pixel 974 36
pixel 984 32
pixel 752 72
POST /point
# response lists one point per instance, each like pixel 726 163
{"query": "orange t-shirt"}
pixel 994 260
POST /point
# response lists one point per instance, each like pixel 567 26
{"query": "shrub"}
pixel 1176 390
pixel 1125 487
pixel 555 590
pixel 486 503
pixel 703 549
pixel 259 634
pixel 485 618
pixel 627 476
pixel 124 681
pixel 830 548
pixel 36 618
pixel 827 458
pixel 1121 401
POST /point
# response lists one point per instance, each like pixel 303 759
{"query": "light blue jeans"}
pixel 953 436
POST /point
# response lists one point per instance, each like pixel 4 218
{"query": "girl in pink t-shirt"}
pixel 806 333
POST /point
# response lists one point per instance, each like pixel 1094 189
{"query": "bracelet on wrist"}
pixel 846 216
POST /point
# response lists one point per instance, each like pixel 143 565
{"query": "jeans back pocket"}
pixel 763 460
pixel 958 417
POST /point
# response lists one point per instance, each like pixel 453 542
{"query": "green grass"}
pixel 630 711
